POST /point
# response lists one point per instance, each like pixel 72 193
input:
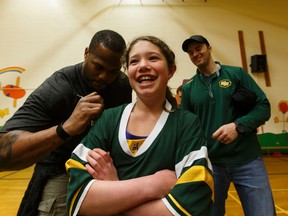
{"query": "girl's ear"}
pixel 172 70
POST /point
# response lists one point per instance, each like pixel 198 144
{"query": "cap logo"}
pixel 225 83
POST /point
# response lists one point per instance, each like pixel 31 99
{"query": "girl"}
pixel 151 157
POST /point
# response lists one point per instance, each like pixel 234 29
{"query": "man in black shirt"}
pixel 55 118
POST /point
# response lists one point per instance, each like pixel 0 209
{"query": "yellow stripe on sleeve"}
pixel 178 205
pixel 71 163
pixel 73 201
pixel 197 173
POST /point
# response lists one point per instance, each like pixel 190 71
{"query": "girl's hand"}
pixel 100 165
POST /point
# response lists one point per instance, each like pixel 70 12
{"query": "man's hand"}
pixel 87 109
pixel 226 133
pixel 100 165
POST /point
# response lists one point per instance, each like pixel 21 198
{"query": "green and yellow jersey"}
pixel 176 143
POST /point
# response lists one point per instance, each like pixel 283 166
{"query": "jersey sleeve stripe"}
pixel 81 151
pixel 171 209
pixel 190 158
pixel 78 205
pixel 178 205
pixel 73 201
pixel 71 163
pixel 197 173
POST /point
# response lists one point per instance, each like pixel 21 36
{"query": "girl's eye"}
pixel 153 58
pixel 133 61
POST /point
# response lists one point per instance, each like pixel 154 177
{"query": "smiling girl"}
pixel 150 157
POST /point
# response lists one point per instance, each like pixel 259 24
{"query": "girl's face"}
pixel 148 71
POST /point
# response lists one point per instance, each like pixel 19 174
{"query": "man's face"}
pixel 199 54
pixel 101 67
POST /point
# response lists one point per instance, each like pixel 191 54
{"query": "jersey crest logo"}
pixel 134 145
pixel 225 83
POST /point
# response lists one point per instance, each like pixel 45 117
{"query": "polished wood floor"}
pixel 13 185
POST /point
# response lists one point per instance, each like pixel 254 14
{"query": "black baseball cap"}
pixel 194 38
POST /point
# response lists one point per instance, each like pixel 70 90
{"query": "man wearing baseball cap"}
pixel 213 94
pixel 194 38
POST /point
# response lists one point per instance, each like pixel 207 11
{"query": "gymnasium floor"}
pixel 13 184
